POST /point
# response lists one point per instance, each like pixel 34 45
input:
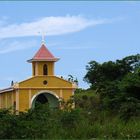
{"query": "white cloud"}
pixel 8 47
pixel 51 26
pixel 75 48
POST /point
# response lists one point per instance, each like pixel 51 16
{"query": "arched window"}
pixel 45 70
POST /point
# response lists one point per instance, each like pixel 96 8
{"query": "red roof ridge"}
pixel 43 54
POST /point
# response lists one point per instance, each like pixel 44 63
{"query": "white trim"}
pixel 43 91
pixel 45 60
pixel 17 100
pixel 30 96
pixel 6 90
pixel 61 93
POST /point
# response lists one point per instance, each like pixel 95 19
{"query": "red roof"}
pixel 43 54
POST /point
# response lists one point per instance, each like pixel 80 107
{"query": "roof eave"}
pixel 40 60
pixel 6 90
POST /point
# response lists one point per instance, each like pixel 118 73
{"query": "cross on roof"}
pixel 43 38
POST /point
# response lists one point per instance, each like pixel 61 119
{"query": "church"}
pixel 43 86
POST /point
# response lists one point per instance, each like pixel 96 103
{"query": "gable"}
pixel 46 81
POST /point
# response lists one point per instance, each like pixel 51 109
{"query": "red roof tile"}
pixel 43 54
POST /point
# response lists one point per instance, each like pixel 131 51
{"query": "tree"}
pixel 118 84
pixel 130 85
pixel 98 74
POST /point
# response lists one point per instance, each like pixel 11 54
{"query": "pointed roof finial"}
pixel 43 38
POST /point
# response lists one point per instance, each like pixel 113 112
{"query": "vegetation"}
pixel 118 85
pixel 45 123
pixel 109 109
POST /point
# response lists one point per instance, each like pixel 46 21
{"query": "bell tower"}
pixel 43 62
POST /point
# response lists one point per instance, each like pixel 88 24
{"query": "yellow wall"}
pixel 26 95
pixel 7 99
pixel 37 68
pixel 23 100
pixel 23 97
pixel 67 93
pixel 53 81
pixel 35 91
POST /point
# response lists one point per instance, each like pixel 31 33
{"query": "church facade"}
pixel 42 87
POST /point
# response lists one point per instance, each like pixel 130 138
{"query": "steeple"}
pixel 43 62
pixel 43 54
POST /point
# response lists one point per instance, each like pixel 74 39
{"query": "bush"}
pixel 46 123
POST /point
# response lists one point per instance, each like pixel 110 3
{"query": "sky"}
pixel 76 32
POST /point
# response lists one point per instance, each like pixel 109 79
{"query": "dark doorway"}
pixel 46 98
pixel 41 99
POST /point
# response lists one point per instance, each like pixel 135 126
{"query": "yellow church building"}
pixel 42 87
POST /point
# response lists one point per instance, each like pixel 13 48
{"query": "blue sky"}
pixel 77 32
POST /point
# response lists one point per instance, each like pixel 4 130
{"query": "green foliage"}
pixel 86 99
pixel 131 85
pixel 117 84
pixel 130 108
pixel 72 79
pixel 70 119
pixel 46 123
pixel 109 71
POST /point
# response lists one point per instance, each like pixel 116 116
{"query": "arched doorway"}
pixel 45 98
